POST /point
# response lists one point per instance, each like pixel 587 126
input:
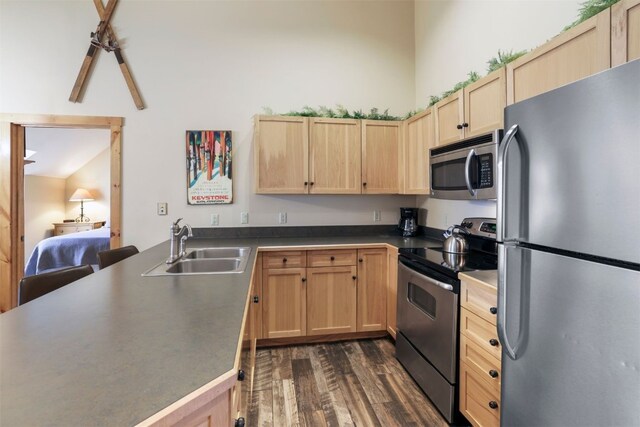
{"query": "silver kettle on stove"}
pixel 455 242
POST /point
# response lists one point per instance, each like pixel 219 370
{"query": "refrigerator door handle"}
pixel 502 172
pixel 502 299
pixel 467 172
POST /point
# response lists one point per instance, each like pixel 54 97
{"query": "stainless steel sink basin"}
pixel 218 253
pixel 205 261
pixel 220 265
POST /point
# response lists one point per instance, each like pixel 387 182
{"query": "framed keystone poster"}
pixel 209 166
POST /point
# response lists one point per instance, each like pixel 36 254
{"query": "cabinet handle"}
pixel 239 422
pixel 354 277
pixel 494 342
pixel 256 299
pixel 459 126
pixel 333 258
pixel 304 279
pixel 493 373
pixel 241 375
pixel 284 260
pixel 493 404
pixel 360 260
pixel 364 184
pixel 493 310
pixel 311 183
pixel 306 183
pixel 465 125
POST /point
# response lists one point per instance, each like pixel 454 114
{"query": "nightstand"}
pixel 60 228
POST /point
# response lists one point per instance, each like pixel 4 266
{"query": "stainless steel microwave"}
pixel 465 170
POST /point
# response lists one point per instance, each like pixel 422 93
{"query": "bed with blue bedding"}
pixel 68 250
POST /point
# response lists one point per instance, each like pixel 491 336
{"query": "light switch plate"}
pixel 282 218
pixel 215 219
pixel 377 216
pixel 162 208
pixel 244 217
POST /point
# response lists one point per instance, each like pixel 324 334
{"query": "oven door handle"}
pixel 467 172
pixel 428 279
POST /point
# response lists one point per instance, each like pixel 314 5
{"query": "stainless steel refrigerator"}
pixel 569 254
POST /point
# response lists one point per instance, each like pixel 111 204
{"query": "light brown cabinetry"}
pixel 474 110
pixel 419 137
pixel 284 302
pixel 577 53
pixel 60 228
pixel 334 156
pixel 331 300
pixel 480 374
pixel 625 31
pixel 372 289
pixel 331 257
pixel 281 154
pixel 380 152
pixel 284 259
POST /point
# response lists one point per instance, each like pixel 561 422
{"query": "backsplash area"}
pixel 444 213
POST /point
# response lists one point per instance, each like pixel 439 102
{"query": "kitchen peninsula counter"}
pixel 116 347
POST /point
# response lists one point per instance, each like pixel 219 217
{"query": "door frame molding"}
pixel 12 131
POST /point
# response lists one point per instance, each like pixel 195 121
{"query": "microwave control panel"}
pixel 485 163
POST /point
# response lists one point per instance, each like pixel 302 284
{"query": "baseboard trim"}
pixel 315 339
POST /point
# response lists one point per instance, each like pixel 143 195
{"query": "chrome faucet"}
pixel 176 232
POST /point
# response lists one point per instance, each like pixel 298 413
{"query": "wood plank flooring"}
pixel 353 383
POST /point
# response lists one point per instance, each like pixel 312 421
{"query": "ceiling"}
pixel 61 152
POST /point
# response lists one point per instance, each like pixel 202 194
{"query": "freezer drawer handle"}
pixel 493 373
pixel 493 404
pixel 494 342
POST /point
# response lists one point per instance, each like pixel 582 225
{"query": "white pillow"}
pixel 107 223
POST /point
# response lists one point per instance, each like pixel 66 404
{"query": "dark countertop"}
pixel 115 347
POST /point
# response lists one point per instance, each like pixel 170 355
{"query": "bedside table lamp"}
pixel 81 195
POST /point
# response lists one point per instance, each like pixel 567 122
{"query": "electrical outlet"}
pixel 377 216
pixel 244 217
pixel 162 208
pixel 215 219
pixel 282 218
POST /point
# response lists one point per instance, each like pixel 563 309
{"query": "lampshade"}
pixel 81 195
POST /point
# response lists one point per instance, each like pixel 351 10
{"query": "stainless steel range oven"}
pixel 428 311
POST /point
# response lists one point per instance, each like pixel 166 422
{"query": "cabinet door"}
pixel 372 289
pixel 334 161
pixel 331 300
pixel 419 138
pixel 392 292
pixel 625 31
pixel 449 118
pixel 281 151
pixel 575 54
pixel 478 402
pixel 484 103
pixel 380 149
pixel 284 302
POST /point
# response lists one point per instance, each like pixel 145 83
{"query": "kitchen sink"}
pixel 218 253
pixel 205 261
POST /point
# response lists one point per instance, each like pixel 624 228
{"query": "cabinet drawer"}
pixel 481 332
pixel 331 258
pixel 478 402
pixel 284 259
pixel 481 362
pixel 481 299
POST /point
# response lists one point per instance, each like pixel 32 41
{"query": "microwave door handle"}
pixel 502 184
pixel 467 172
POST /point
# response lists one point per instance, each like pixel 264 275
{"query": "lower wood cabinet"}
pixel 372 289
pixel 392 293
pixel 331 300
pixel 284 302
pixel 478 402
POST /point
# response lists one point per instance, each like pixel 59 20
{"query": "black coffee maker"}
pixel 408 224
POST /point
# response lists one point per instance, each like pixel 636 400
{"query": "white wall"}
pixel 212 65
pixel 454 37
pixel 94 177
pixel 43 205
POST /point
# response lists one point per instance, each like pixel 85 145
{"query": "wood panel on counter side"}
pixel 380 156
pixel 281 152
pixel 625 31
pixel 575 54
pixel 419 137
pixel 334 156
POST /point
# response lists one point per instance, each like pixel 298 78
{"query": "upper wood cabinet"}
pixel 281 154
pixel 372 289
pixel 284 302
pixel 380 152
pixel 474 110
pixel 334 156
pixel 625 31
pixel 331 300
pixel 577 53
pixel 419 137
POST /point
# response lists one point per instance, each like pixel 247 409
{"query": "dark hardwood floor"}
pixel 353 383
